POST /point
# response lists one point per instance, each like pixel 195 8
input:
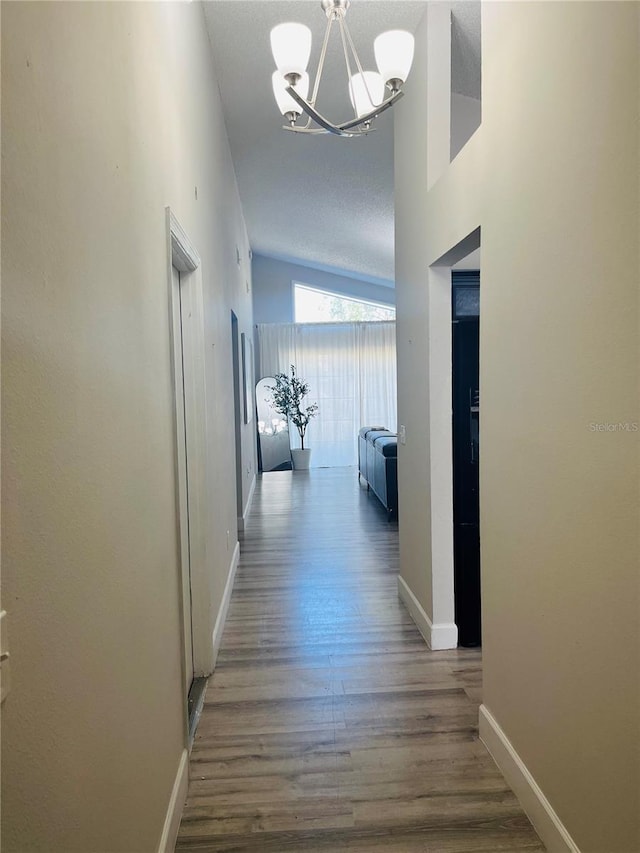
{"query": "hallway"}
pixel 328 724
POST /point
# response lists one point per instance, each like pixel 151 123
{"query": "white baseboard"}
pixel 242 520
pixel 538 808
pixel 438 635
pixel 218 628
pixel 176 805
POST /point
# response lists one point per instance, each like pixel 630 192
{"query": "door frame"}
pixel 442 630
pixel 236 367
pixel 182 483
pixel 190 515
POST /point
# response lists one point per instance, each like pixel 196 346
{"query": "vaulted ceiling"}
pixel 322 200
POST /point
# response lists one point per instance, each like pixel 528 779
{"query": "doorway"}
pixel 465 314
pixel 190 412
pixel 183 480
pixel 237 401
pixel 186 417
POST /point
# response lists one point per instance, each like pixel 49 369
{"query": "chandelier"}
pixel 291 47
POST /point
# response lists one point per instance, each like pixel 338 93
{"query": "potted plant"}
pixel 286 398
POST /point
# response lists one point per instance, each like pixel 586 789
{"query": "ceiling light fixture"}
pixel 291 47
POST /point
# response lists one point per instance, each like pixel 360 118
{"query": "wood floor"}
pixel 328 725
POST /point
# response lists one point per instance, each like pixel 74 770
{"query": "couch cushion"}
pixel 364 431
pixel 387 445
pixel 374 434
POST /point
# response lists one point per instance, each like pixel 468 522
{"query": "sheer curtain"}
pixel 351 369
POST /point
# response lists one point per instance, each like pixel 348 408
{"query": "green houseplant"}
pixel 287 396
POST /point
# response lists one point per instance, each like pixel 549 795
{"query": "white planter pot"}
pixel 301 459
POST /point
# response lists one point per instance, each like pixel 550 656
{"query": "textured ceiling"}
pixel 323 200
pixel 465 47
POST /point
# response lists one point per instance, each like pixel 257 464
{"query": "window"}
pixel 321 306
pixel 351 371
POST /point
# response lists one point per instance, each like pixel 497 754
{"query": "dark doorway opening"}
pixel 465 312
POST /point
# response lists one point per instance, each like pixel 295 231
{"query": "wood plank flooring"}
pixel 328 725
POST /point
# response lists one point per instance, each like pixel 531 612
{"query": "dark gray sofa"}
pixel 378 464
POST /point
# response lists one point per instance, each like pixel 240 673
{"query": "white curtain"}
pixel 351 370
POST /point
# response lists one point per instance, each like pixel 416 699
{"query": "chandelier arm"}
pixel 315 131
pixel 357 59
pixel 343 26
pixel 323 53
pixel 306 129
pixel 312 112
pixel 347 125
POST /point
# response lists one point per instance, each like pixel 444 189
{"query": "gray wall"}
pixel 273 289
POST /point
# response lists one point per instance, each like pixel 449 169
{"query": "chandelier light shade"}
pixel 394 54
pixel 285 102
pixel 291 48
pixel 366 91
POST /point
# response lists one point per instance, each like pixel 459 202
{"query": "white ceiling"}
pixel 322 200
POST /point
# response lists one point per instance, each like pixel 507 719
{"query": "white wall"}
pixel 466 115
pixel 273 289
pixel 551 179
pixel 110 112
